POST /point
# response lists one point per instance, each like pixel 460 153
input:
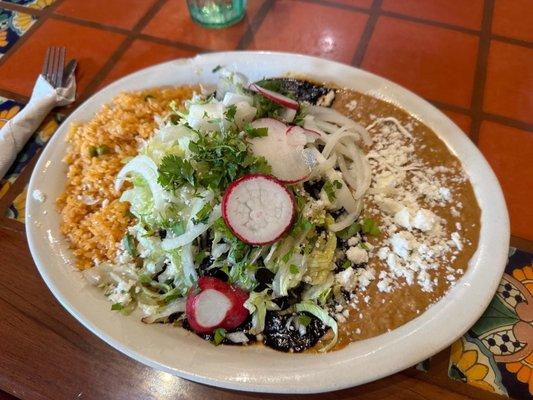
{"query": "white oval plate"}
pixel 256 368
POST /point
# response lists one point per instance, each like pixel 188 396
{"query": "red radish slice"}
pixel 258 209
pixel 286 157
pixel 274 96
pixel 216 305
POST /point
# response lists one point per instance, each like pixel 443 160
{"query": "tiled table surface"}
pixel 472 59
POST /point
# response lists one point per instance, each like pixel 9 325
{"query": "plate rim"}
pixel 267 386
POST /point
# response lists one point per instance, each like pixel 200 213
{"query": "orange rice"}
pixel 92 217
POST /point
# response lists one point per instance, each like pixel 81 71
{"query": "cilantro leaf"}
pixel 229 114
pixel 117 307
pixel 370 227
pixel 304 319
pixel 175 172
pixel 330 191
pixel 293 269
pixel 255 132
pixel 203 214
pixel 347 233
pixel 129 244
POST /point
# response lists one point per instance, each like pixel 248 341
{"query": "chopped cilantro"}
pixel 304 319
pixel 219 158
pixel 103 149
pixel 229 114
pixel 202 215
pixel 347 233
pixel 287 256
pixel 175 172
pixel 92 151
pixel 337 184
pixel 129 244
pixel 329 190
pixel 346 264
pixel 117 307
pixel 198 258
pixel 370 227
pixel 293 269
pixel 255 132
pixel 218 337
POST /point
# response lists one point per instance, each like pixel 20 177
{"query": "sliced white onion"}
pixel 235 98
pixel 344 222
pixel 332 116
pixel 237 337
pixel 192 232
pixel 173 307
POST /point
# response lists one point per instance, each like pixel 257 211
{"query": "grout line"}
pixel 123 47
pixel 521 243
pixel 172 43
pixel 516 42
pixel 513 123
pixel 357 59
pixel 91 24
pixel 22 9
pixel 450 107
pixel 431 22
pixel 254 25
pixel 14 96
pixel 480 76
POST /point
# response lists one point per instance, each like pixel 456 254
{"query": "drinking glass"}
pixel 216 13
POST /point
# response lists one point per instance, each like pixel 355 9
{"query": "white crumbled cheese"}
pixel 354 241
pixel 424 220
pixel 458 226
pixel 120 293
pixel 456 238
pixel 346 313
pixel 383 253
pixel 357 331
pixel 402 218
pixel 346 279
pixel 385 284
pixel 105 203
pixel 445 194
pixel 357 255
pixel 326 99
pixel 364 277
pixel 39 196
pixel 454 212
pixel 402 243
pixel 389 206
pixel 366 299
pixel 351 105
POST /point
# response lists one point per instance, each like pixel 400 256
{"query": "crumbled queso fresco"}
pixel 414 240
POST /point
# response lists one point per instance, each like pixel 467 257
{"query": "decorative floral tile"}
pixel 8 109
pixel 36 4
pixel 496 354
pixel 13 25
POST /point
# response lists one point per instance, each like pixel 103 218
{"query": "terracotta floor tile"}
pixel 141 54
pixel 463 13
pixel 510 152
pixel 358 3
pixel 436 63
pixel 121 13
pixel 462 121
pixel 509 86
pixel 92 47
pixel 173 22
pixel 513 19
pixel 311 29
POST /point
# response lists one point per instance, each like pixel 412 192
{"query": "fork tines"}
pixel 53 66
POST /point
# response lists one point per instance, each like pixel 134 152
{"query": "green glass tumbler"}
pixel 216 13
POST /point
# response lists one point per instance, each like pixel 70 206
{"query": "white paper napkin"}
pixel 16 132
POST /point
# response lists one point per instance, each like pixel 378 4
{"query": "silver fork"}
pixel 53 66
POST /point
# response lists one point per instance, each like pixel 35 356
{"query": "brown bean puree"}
pixel 386 304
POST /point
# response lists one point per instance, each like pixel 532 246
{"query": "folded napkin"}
pixel 16 132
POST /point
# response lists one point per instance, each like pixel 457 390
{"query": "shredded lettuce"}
pixel 321 260
pixel 257 304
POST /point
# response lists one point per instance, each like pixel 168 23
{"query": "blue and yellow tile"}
pixel 35 4
pixel 13 24
pixel 496 354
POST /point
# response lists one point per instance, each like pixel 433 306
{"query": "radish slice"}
pixel 216 305
pixel 258 209
pixel 286 157
pixel 274 96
